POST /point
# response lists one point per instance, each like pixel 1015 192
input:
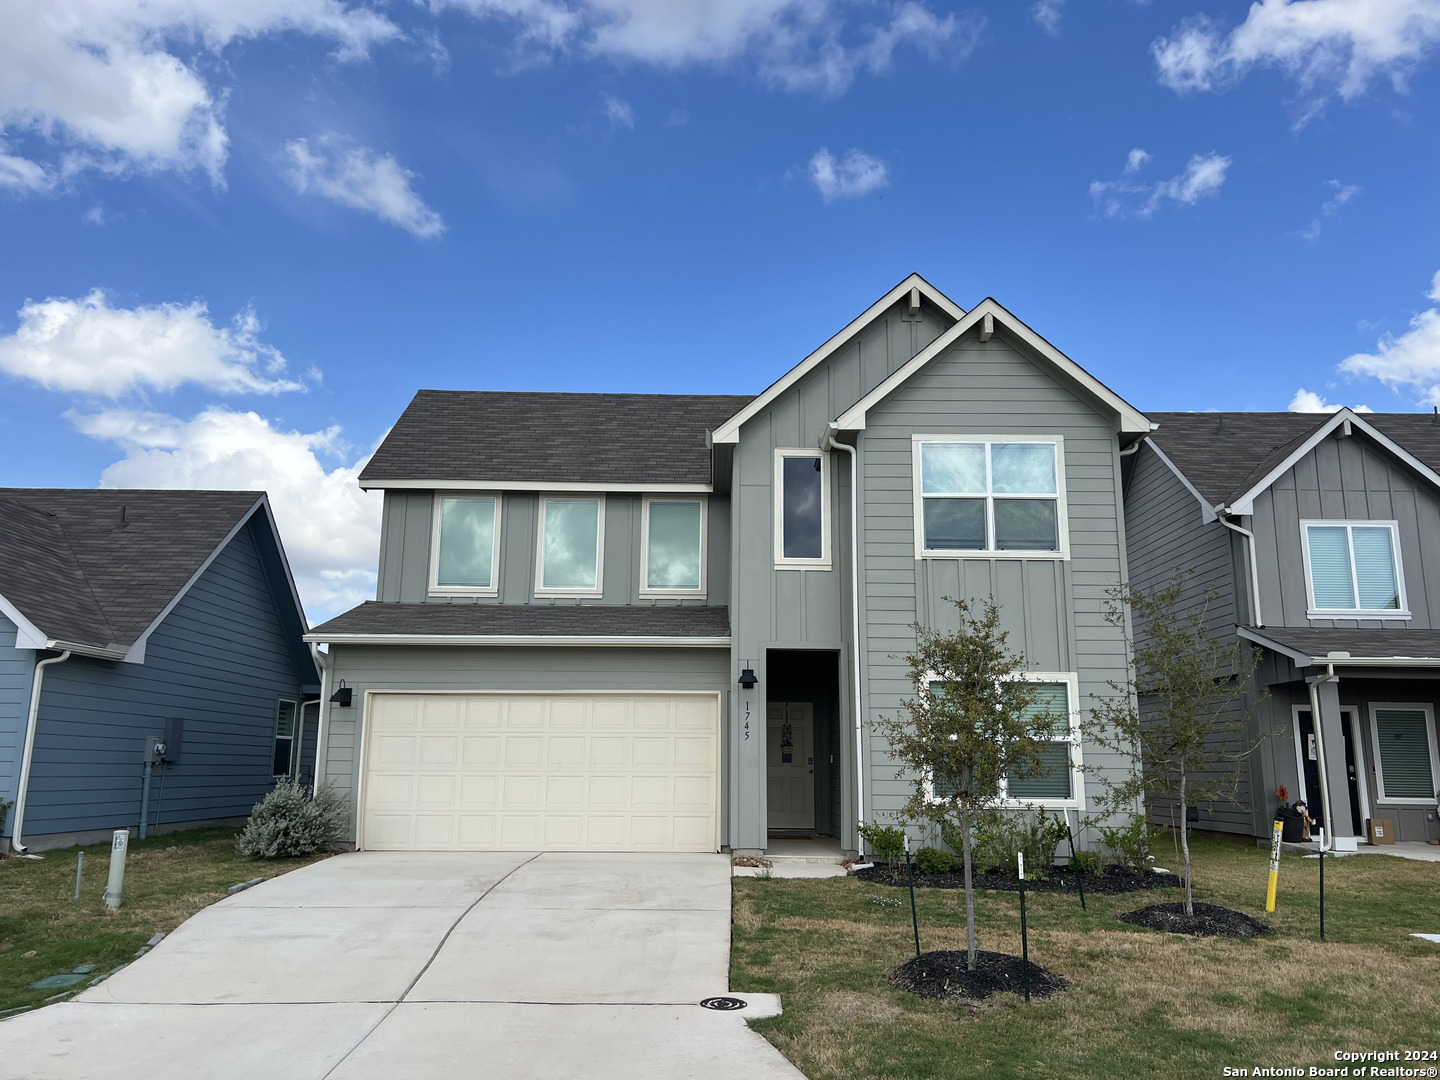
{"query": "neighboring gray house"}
pixel 135 618
pixel 1321 537
pixel 630 621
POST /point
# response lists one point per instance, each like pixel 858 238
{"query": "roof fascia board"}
pixel 1301 659
pixel 136 653
pixel 1207 512
pixel 27 634
pixel 532 485
pixel 1132 421
pixel 729 432
pixel 289 578
pixel 1245 504
pixel 519 639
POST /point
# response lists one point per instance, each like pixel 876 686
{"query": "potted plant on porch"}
pixel 1292 821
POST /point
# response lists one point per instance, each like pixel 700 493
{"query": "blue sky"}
pixel 238 234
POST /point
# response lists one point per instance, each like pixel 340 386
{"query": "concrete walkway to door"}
pixel 424 965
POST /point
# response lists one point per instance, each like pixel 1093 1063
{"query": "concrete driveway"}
pixel 383 965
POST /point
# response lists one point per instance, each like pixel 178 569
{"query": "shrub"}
pixel 935 861
pixel 1128 846
pixel 886 841
pixel 1086 862
pixel 289 822
pixel 1001 835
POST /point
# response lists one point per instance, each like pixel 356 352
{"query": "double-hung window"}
pixel 570 556
pixel 466 545
pixel 997 496
pixel 286 722
pixel 673 547
pixel 1405 756
pixel 802 509
pixel 1353 568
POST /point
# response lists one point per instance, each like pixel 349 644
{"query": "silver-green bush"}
pixel 290 822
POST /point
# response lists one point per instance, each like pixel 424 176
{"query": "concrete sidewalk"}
pixel 377 965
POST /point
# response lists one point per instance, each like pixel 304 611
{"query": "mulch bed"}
pixel 1111 880
pixel 943 974
pixel 1209 920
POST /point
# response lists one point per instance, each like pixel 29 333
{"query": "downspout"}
pixel 831 444
pixel 1222 515
pixel 322 713
pixel 1312 682
pixel 29 754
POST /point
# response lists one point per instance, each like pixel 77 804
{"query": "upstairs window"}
pixel 570 556
pixel 286 714
pixel 673 561
pixel 989 496
pixel 466 544
pixel 802 504
pixel 1353 568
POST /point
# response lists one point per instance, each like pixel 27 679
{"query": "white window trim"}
pixel 645 590
pixel 1077 772
pixel 1062 513
pixel 1349 714
pixel 436 589
pixel 540 590
pixel 1418 706
pixel 275 737
pixel 781 562
pixel 1313 612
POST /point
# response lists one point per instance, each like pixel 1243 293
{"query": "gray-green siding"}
pixel 16 668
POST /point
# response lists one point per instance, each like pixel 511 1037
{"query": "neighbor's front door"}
pixel 790 758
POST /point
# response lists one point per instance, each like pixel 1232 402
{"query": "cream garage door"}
pixel 563 772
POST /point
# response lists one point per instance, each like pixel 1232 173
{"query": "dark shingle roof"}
pixel 561 438
pixel 527 620
pixel 1225 454
pixel 1361 644
pixel 95 567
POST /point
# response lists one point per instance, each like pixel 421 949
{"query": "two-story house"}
pixel 1320 537
pixel 630 622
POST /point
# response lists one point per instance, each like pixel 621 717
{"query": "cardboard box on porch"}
pixel 1381 830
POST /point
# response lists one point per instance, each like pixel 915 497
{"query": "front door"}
pixel 790 765
pixel 1309 756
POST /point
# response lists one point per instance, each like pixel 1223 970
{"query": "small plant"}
pixel 1129 845
pixel 1282 796
pixel 886 841
pixel 885 901
pixel 1000 835
pixel 1086 862
pixel 935 861
pixel 289 822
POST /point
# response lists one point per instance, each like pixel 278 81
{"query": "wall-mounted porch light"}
pixel 342 696
pixel 747 678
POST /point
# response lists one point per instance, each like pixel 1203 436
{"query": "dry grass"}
pixel 1141 1003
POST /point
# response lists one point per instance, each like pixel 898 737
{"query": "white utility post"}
pixel 119 844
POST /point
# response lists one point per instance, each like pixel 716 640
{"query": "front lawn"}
pixel 167 879
pixel 1140 1003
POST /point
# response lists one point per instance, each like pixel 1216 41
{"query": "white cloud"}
pixel 101 84
pixel 797 44
pixel 360 178
pixel 1203 177
pixel 330 528
pixel 86 346
pixel 1048 14
pixel 1410 361
pixel 1327 46
pixel 24 176
pixel 1340 194
pixel 1308 401
pixel 619 113
pixel 850 177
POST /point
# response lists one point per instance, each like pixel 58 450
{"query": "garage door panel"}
pixel 608 772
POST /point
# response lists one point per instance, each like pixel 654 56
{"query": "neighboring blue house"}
pixel 137 628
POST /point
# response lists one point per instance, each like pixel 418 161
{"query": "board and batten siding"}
pixel 1053 609
pixel 220 661
pixel 407 528
pixel 17 668
pixel 500 669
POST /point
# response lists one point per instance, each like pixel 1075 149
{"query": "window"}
pixel 802 505
pixel 466 545
pixel 569 560
pixel 285 724
pixel 673 547
pixel 1000 496
pixel 1405 752
pixel 1353 568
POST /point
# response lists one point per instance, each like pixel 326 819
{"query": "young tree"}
pixel 973 722
pixel 1179 720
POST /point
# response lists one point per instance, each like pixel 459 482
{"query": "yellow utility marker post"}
pixel 1274 867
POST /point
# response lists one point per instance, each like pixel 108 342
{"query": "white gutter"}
pixel 1221 515
pixel 1312 682
pixel 608 641
pixel 322 712
pixel 38 682
pixel 855 662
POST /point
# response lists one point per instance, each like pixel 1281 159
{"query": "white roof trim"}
pixel 1304 659
pixel 27 634
pixel 729 431
pixel 534 485
pixel 1132 421
pixel 520 639
pixel 1207 512
pixel 1245 504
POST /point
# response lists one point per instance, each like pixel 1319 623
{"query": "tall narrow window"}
pixel 1354 568
pixel 284 757
pixel 570 549
pixel 802 536
pixel 1405 749
pixel 1051 713
pixel 674 547
pixel 466 542
pixel 988 496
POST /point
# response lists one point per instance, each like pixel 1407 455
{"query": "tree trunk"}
pixel 1185 841
pixel 965 845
